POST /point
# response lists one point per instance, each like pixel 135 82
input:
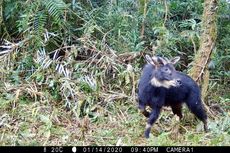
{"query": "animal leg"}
pixel 152 119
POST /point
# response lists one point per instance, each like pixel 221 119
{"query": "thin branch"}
pixel 166 11
pixel 143 22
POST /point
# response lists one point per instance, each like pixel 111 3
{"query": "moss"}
pixel 208 38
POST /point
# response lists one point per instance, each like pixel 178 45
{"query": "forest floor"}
pixel 23 122
pixel 89 55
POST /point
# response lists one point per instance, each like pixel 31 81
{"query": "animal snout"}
pixel 178 82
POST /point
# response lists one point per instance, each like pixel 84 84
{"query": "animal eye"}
pixel 166 69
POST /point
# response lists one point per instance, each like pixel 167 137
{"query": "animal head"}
pixel 164 73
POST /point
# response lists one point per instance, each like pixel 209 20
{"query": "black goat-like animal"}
pixel 161 85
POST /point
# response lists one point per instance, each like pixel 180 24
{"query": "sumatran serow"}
pixel 161 85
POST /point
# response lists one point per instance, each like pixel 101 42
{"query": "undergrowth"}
pixel 69 71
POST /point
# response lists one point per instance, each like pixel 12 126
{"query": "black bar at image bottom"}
pixel 113 149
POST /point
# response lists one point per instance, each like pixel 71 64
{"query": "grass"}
pixel 43 123
pixel 87 95
pixel 103 110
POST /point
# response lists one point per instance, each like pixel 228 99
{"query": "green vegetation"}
pixel 69 71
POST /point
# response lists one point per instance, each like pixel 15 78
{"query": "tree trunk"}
pixel 143 10
pixel 199 72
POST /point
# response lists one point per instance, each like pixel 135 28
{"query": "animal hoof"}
pixel 146 135
pixel 207 130
pixel 147 132
pixel 206 127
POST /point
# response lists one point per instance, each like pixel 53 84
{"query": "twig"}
pixel 205 63
pixel 143 21
pixel 166 11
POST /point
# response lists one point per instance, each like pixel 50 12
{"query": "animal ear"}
pixel 175 60
pixel 148 59
pixel 152 61
pixel 162 60
pixel 155 61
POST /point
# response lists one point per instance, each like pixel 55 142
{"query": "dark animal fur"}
pixel 157 97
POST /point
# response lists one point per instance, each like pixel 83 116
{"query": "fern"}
pixel 40 20
pixel 56 10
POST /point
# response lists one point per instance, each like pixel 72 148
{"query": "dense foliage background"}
pixel 69 71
